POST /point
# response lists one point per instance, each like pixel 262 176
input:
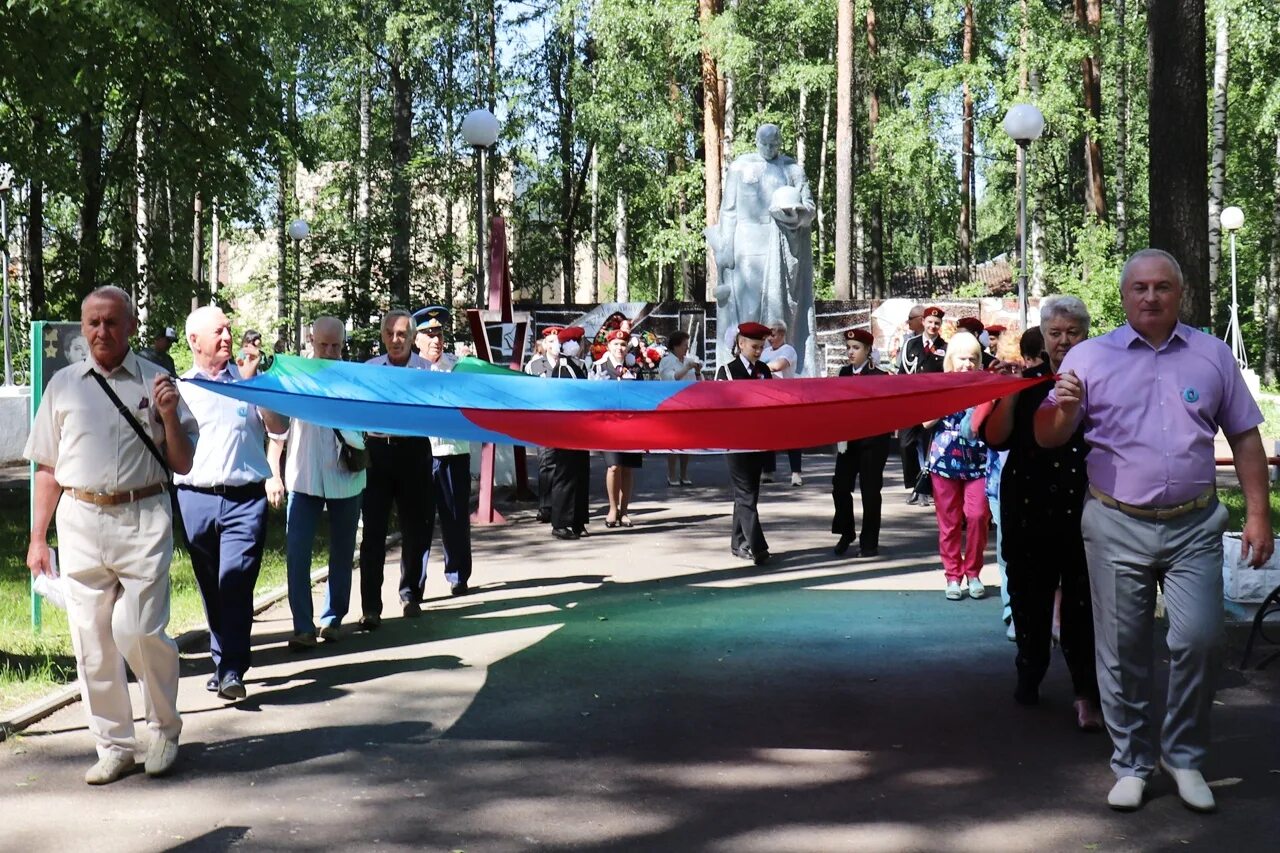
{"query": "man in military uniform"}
pixel 859 462
pixel 922 354
pixel 544 365
pixel 571 468
pixel 747 541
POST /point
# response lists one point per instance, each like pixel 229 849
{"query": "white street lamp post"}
pixel 1232 219
pixel 6 183
pixel 480 130
pixel 298 230
pixel 1024 124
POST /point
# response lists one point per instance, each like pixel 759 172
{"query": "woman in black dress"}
pixel 619 476
pixel 1041 500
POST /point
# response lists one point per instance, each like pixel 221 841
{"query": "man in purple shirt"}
pixel 1152 396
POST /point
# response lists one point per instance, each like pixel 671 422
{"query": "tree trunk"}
pixel 593 294
pixel 215 253
pixel 802 127
pixel 964 231
pixel 401 154
pixel 1122 129
pixel 141 231
pixel 821 200
pixel 563 86
pixel 1270 358
pixel 1089 20
pixel 875 257
pixel 622 260
pixel 844 151
pixel 197 241
pixel 282 243
pixel 1178 148
pixel 1218 162
pixel 364 244
pixel 90 138
pixel 712 138
pixel 35 250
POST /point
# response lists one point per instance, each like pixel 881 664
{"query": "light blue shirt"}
pixel 232 449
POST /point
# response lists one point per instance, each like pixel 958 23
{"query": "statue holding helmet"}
pixel 762 248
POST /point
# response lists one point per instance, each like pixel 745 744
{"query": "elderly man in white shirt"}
pixel 450 471
pixel 115 528
pixel 223 499
pixel 315 478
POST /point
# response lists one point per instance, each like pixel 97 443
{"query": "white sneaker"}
pixel 953 591
pixel 161 755
pixel 1192 788
pixel 1010 633
pixel 1126 794
pixel 976 589
pixel 766 477
pixel 796 479
pixel 109 769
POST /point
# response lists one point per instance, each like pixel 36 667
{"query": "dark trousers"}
pixel 225 536
pixel 400 472
pixel 451 476
pixel 1032 584
pixel 861 464
pixel 569 484
pixel 907 439
pixel 795 458
pixel 546 470
pixel 744 478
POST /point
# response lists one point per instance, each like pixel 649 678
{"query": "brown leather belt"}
pixel 115 498
pixel 1155 513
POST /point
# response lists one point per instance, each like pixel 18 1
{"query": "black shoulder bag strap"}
pixel 124 412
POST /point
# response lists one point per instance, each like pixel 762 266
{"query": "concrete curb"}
pixel 34 712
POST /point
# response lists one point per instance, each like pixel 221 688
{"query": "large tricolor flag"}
pixel 502 406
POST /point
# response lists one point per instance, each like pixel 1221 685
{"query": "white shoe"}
pixel 1010 633
pixel 1192 788
pixel 953 591
pixel 796 479
pixel 1126 794
pixel 976 589
pixel 161 755
pixel 766 477
pixel 109 769
pixel 671 482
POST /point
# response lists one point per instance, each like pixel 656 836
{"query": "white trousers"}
pixel 116 564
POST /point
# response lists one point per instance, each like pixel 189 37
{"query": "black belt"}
pixel 243 492
pixel 396 439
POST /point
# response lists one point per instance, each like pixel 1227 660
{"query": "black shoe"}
pixel 544 517
pixel 867 552
pixel 581 531
pixel 563 533
pixel 459 588
pixel 742 553
pixel 412 610
pixel 925 501
pixel 843 545
pixel 760 557
pixel 372 622
pixel 913 499
pixel 232 687
pixel 212 684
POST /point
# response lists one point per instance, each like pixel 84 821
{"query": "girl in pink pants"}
pixel 958 470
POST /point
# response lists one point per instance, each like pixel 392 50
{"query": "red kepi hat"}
pixel 862 336
pixel 754 331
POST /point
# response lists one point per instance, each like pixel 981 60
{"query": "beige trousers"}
pixel 116 564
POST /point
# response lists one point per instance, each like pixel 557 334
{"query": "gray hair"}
pixel 330 322
pixel 199 316
pixel 1063 305
pixel 389 318
pixel 1145 254
pixel 110 291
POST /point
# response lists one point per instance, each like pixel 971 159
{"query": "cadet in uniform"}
pixel 571 468
pixel 922 354
pixel 747 541
pixel 859 462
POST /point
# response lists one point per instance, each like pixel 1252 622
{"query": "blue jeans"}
pixel 301 520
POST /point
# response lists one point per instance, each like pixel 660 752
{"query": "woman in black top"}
pixel 1041 500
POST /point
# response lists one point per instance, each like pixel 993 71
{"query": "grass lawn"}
pixel 32 664
pixel 1234 501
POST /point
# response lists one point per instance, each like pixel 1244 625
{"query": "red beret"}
pixel 862 336
pixel 970 324
pixel 934 311
pixel 754 331
pixel 572 333
pixel 995 329
pixel 617 335
pixel 552 330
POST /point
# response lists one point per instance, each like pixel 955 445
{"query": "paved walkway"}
pixel 643 690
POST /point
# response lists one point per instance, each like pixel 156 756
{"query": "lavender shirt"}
pixel 1151 415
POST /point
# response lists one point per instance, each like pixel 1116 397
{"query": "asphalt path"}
pixel 644 690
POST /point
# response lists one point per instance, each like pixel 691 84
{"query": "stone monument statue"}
pixel 763 251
